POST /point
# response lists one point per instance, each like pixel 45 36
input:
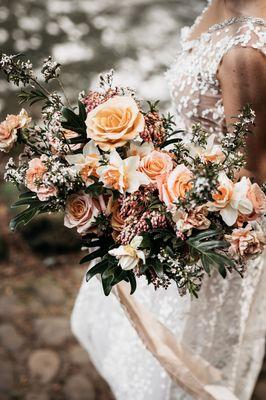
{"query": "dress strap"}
pixel 237 20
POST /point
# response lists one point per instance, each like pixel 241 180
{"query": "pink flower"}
pixel 246 241
pixel 196 218
pixel 34 180
pixel 80 212
pixel 174 185
pixel 257 198
pixel 155 164
pixel 9 128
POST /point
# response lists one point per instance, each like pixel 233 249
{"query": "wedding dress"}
pixel 227 324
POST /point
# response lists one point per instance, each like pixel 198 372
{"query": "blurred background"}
pixel 39 271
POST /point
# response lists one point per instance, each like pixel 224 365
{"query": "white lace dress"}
pixel 227 325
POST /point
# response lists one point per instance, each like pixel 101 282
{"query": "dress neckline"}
pixel 218 26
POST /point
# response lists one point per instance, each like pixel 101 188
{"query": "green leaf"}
pixel 158 268
pixel 171 141
pixel 130 276
pixel 99 268
pixel 90 257
pixel 73 121
pixel 24 217
pixel 95 189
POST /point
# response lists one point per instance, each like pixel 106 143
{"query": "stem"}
pixel 48 94
pixel 64 93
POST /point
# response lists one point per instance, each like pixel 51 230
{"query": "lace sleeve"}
pixel 244 33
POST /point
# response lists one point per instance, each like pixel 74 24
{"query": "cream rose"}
pixel 155 164
pixel 174 185
pixel 246 241
pixel 113 123
pixel 34 177
pixel 257 198
pixel 9 128
pixel 80 212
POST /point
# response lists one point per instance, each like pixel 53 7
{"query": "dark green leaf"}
pixel 99 268
pixel 89 257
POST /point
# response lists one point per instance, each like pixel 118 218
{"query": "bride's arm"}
pixel 242 76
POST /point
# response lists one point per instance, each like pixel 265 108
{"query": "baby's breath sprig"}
pixel 199 135
pixel 234 142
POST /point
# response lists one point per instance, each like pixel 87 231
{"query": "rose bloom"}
pixel 246 241
pixel 257 198
pixel 155 164
pixel 9 128
pixel 196 218
pixel 80 212
pixel 33 181
pixel 117 221
pixel 86 163
pixel 174 185
pixel 115 122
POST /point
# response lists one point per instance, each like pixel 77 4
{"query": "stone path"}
pixel 40 359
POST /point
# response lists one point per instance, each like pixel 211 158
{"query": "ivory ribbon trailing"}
pixel 191 372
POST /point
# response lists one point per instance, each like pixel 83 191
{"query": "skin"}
pixel 242 76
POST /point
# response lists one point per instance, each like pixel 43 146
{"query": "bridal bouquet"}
pixel 144 200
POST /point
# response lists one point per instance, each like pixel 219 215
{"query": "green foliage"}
pixel 107 266
pixel 75 122
pixel 33 207
pixel 204 247
pixel 33 96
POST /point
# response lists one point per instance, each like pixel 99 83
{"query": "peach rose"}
pixel 196 218
pixel 34 177
pixel 257 198
pixel 155 164
pixel 80 212
pixel 9 128
pixel 113 123
pixel 246 241
pixel 174 185
pixel 117 221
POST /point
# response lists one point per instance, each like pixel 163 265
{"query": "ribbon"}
pixel 189 371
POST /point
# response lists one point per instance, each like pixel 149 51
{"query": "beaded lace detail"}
pixel 227 324
pixel 192 78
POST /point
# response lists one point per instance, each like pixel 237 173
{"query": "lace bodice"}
pixel 192 78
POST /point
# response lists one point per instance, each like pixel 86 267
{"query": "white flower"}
pixel 129 255
pixel 231 199
pixel 140 150
pixel 211 153
pixel 122 175
pixel 86 163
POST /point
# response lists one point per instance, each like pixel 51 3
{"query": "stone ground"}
pixel 39 357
